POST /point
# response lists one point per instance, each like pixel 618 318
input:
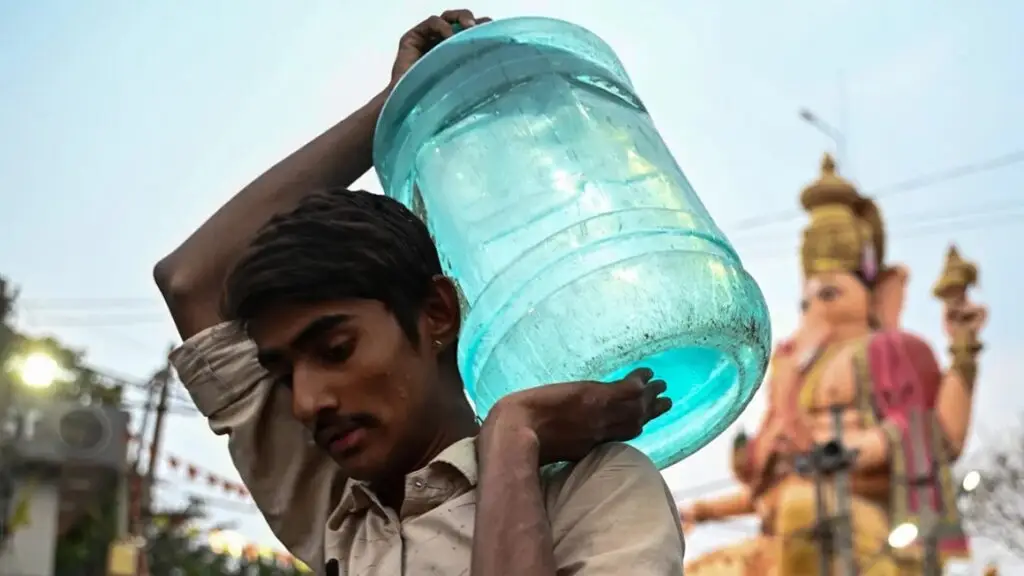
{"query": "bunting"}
pixel 198 475
pixel 224 542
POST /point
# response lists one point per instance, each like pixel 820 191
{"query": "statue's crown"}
pixel 846 232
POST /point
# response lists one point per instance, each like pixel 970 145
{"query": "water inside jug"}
pixel 579 247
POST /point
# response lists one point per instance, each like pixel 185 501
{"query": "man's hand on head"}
pixel 424 36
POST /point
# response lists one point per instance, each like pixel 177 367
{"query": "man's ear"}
pixel 443 311
pixel 888 296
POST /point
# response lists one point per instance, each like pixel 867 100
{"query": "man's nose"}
pixel 311 394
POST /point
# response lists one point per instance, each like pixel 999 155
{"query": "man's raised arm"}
pixel 294 484
pixel 191 278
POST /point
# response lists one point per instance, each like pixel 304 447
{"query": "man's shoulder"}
pixel 606 470
pixel 612 513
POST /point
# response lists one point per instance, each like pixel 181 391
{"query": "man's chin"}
pixel 359 467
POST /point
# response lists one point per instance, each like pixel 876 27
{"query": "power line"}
pixel 949 175
pixel 132 382
pixel 896 189
pixel 996 210
pixel 741 226
pixel 76 303
pixel 102 319
pixel 915 230
pixel 922 224
pixel 177 410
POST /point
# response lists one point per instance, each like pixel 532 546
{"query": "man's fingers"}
pixel 638 378
pixel 655 388
pixel 661 406
pixel 653 404
pixel 433 27
pixel 463 18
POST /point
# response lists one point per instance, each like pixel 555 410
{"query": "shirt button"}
pixel 418 484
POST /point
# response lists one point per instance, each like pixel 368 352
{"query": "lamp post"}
pixel 830 132
pixel 907 533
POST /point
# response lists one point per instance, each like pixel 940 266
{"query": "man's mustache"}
pixel 329 426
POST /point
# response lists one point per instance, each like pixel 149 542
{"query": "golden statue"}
pixel 850 361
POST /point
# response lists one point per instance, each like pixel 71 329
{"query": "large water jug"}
pixel 579 247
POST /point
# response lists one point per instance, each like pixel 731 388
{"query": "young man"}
pixel 331 367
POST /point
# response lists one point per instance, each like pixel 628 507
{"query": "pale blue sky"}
pixel 125 124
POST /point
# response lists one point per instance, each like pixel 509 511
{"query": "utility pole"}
pixel 127 556
pixel 135 477
pixel 162 381
pixel 832 461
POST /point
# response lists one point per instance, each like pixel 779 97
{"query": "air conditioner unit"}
pixel 62 433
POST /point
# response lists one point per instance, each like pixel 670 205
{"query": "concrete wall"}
pixel 30 551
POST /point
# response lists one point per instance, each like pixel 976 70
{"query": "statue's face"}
pixel 835 298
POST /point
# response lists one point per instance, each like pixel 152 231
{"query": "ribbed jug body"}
pixel 579 247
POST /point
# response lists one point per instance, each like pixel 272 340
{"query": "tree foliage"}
pixel 996 509
pixel 174 546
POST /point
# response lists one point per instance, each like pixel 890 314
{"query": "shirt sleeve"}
pixel 293 483
pixel 613 514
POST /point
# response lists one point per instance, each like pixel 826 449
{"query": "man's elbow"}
pixel 191 306
pixel 172 282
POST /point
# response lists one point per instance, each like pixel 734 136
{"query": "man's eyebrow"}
pixel 313 330
pixel 318 328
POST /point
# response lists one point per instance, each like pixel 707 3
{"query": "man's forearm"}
pixel 512 533
pixel 192 276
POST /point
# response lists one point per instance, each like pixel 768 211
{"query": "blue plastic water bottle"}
pixel 579 247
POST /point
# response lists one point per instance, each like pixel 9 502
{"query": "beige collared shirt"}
pixel 610 514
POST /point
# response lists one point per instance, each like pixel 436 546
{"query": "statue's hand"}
pixel 963 316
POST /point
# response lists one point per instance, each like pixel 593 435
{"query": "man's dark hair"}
pixel 337 245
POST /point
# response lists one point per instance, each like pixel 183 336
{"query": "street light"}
pixel 38 370
pixel 905 534
pixel 829 131
pixel 970 482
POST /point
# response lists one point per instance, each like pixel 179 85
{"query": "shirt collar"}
pixel 459 458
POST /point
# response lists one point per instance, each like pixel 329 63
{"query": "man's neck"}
pixel 457 422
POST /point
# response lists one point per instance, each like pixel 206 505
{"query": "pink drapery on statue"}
pixel 898 384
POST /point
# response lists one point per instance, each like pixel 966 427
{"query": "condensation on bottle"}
pixel 579 248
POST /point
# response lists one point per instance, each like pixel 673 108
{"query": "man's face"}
pixel 358 383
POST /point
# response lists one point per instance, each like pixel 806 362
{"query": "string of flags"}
pixel 225 541
pixel 199 475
